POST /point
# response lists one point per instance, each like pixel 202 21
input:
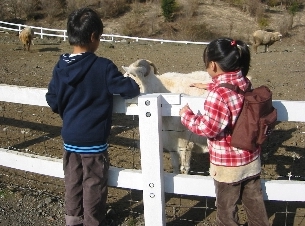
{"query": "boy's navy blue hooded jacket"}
pixel 81 92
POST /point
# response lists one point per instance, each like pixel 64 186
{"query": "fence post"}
pixel 150 127
pixel 41 33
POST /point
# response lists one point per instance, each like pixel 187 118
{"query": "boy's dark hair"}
pixel 81 24
pixel 231 55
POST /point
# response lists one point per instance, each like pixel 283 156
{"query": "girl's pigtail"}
pixel 244 53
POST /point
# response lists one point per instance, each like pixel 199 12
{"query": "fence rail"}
pixel 105 37
pixel 152 180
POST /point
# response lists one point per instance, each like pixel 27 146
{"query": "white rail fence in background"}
pixel 151 178
pixel 105 37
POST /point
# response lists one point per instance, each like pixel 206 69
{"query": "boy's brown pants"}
pixel 86 177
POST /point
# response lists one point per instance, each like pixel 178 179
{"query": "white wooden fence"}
pixel 63 34
pixel 151 178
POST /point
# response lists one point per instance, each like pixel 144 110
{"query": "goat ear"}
pixel 139 71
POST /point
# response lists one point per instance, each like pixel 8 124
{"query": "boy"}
pixel 81 92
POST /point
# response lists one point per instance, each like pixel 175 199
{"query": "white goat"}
pixel 176 138
pixel 26 37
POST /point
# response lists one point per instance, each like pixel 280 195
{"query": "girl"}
pixel 236 172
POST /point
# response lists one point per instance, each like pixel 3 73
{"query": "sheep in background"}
pixel 265 38
pixel 26 37
pixel 176 139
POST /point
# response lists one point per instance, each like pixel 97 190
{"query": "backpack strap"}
pixel 235 88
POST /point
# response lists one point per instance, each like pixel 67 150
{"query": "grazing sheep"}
pixel 176 139
pixel 26 37
pixel 265 38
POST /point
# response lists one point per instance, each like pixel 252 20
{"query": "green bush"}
pixel 168 9
pixel 294 8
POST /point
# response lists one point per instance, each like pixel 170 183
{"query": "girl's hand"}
pixel 200 85
pixel 184 109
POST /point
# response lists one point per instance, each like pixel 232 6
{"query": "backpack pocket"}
pixel 266 126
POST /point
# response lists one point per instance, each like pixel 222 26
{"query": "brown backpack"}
pixel 257 118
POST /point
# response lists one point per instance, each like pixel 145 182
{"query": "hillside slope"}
pixel 218 17
pixel 205 21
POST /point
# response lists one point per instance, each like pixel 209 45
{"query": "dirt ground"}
pixel 37 130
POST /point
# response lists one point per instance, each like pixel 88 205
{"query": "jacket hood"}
pixel 73 68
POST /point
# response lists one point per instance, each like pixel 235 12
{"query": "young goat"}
pixel 176 139
pixel 26 37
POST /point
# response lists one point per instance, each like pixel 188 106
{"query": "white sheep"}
pixel 26 37
pixel 265 38
pixel 176 138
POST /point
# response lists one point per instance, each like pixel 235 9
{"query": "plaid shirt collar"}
pixel 226 77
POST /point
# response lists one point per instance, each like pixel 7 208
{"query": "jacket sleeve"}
pixel 51 96
pixel 118 84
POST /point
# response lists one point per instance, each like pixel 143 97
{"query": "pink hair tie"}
pixel 233 43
